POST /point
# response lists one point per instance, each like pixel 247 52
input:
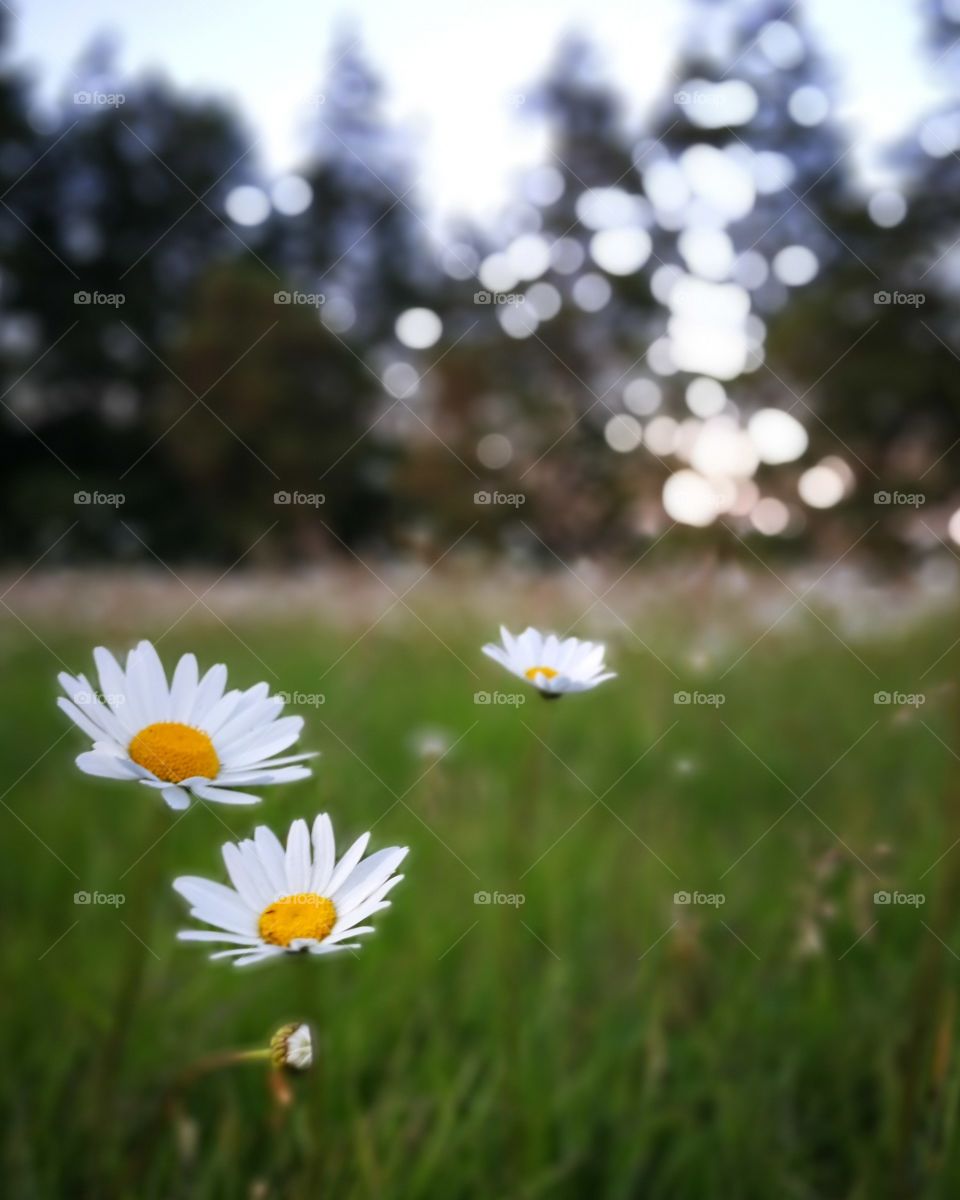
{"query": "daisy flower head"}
pixel 286 900
pixel 292 1047
pixel 553 665
pixel 190 737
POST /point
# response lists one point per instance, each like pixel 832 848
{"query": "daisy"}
pixel 551 665
pixel 292 1046
pixel 188 738
pixel 289 900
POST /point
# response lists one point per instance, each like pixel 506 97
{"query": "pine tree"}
pixel 360 241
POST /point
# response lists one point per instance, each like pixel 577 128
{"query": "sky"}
pixel 457 74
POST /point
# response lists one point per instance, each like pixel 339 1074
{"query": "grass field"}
pixel 596 1039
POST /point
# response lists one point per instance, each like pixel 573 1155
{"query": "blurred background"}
pixel 329 342
pixel 564 283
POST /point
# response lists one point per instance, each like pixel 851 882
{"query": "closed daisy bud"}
pixel 292 1046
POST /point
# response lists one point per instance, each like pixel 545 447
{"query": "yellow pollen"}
pixel 174 752
pixel 305 916
pixel 533 672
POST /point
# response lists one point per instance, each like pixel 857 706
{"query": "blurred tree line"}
pixel 327 370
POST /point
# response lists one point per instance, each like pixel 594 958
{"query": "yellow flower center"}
pixel 533 672
pixel 174 752
pixel 305 916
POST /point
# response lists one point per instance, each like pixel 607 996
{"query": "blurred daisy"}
pixel 292 1046
pixel 190 737
pixel 294 899
pixel 551 665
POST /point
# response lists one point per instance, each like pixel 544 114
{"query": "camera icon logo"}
pixel 281 297
pixel 81 297
pixel 481 697
pixel 482 298
pixel 481 897
pixel 281 497
pixel 882 698
pixel 881 297
pixel 881 897
pixel 681 697
pixel 481 497
pixel 681 897
pixel 81 497
pixel 81 897
pixel 881 497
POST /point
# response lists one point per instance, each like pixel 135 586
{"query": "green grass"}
pixel 598 1040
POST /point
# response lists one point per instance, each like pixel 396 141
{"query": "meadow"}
pixel 637 952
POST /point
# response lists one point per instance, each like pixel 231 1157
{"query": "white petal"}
pixel 263 775
pixel 105 766
pixel 222 795
pixel 242 879
pixel 217 935
pixel 183 688
pixel 299 866
pixel 154 681
pixel 139 694
pixel 498 655
pixel 348 862
pixel 351 931
pixel 277 736
pixel 324 854
pixel 225 708
pixel 176 798
pixel 89 727
pixel 113 684
pixel 256 712
pixel 367 877
pixel 216 904
pixel 84 696
pixel 368 907
pixel 258 956
pixel 325 947
pixel 272 859
pixel 209 690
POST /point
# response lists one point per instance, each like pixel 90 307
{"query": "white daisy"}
pixel 551 665
pixel 190 737
pixel 288 900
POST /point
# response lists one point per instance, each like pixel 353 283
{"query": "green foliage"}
pixel 598 1040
